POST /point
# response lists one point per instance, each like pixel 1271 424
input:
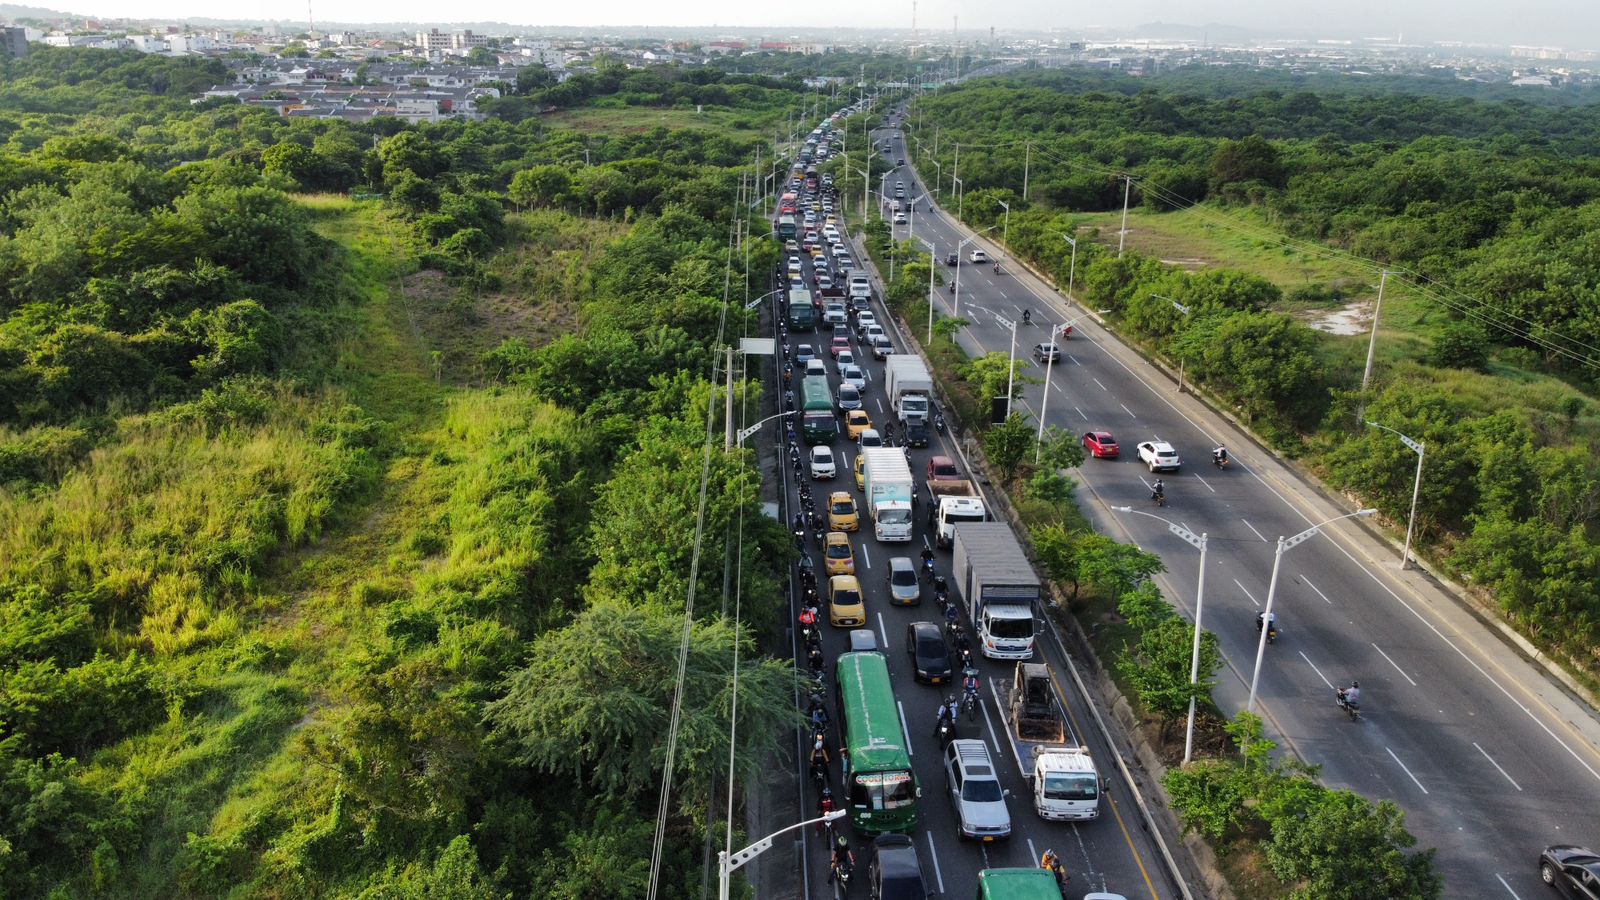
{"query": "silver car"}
pixel 904 589
pixel 852 375
pixel 975 791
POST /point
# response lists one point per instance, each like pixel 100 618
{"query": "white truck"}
pixel 952 502
pixel 909 386
pixel 998 588
pixel 886 480
pixel 1065 783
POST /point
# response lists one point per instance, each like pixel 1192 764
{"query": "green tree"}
pixel 539 186
pixel 1347 848
pixel 1082 558
pixel 1462 344
pixel 535 78
pixel 1209 795
pixel 947 327
pixel 1249 159
pixel 993 373
pixel 1158 669
pixel 1010 446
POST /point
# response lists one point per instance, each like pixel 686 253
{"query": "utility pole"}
pixel 955 170
pixel 727 441
pixel 1027 156
pixel 1372 345
pixel 1127 188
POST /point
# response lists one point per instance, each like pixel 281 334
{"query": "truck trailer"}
pixel 1055 762
pixel 886 481
pixel 908 386
pixel 998 588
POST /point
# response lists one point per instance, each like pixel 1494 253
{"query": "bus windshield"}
pixel 882 790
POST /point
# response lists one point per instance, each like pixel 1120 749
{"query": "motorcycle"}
pixel 1272 629
pixel 938 422
pixel 927 568
pixel 947 733
pixel 1351 707
pixel 997 268
pixel 840 870
pixel 1027 317
pixel 1220 462
pixel 941 592
pixel 1160 497
pixel 821 537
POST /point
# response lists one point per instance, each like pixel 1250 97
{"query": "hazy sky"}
pixel 1568 23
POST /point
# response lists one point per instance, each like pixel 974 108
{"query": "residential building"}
pixel 13 43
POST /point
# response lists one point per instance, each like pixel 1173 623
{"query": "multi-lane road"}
pixel 1490 760
pixel 1114 852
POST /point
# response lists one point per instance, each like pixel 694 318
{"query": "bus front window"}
pixel 883 790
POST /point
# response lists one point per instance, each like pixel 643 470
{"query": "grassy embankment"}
pixel 273 529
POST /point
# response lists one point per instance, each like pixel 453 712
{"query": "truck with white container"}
pixel 999 591
pixel 909 386
pixel 952 506
pixel 886 481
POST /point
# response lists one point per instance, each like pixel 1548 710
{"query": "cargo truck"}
pixel 998 588
pixel 886 481
pixel 909 386
pixel 952 501
pixel 1054 761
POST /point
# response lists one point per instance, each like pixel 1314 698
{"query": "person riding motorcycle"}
pixel 1027 314
pixel 1220 456
pixel 947 714
pixel 825 804
pixel 1159 490
pixel 1351 696
pixel 1052 864
pixel 927 558
pixel 969 683
pixel 1268 619
pixel 843 860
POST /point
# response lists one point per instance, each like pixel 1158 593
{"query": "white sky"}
pixel 1569 23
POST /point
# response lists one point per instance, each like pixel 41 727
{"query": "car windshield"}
pixel 1011 628
pixel 1064 786
pixel 894 517
pixel 931 647
pixel 981 790
pixel 848 392
pixel 844 507
pixel 839 551
pixel 903 577
pixel 947 470
pixel 822 454
pixel 847 598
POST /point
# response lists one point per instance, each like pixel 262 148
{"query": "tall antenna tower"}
pixel 991 41
pixel 913 22
pixel 955 42
pixel 311 22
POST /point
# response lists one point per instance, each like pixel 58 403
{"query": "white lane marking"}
pixel 1406 770
pixel 865 555
pixel 1184 524
pixel 1314 588
pixel 1204 482
pixel 933 854
pixel 1080 412
pixel 1127 410
pixel 1033 852
pixel 1497 766
pixel 1074 359
pixel 879 401
pixel 1247 593
pixel 1316 670
pixel 1508 887
pixel 994 739
pixel 903 730
pixel 1253 528
pixel 1102 387
pixel 883 633
pixel 1395 664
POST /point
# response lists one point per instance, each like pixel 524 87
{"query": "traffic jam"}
pixel 943 731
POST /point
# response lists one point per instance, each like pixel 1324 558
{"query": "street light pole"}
pixel 1180 308
pixel 1284 543
pixel 1122 235
pixel 1072 268
pixel 1419 448
pixel 1372 343
pixel 957 309
pixel 728 863
pixel 1198 543
pixel 1005 236
pixel 929 245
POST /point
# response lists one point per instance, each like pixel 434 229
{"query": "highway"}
pixel 1487 757
pixel 1111 853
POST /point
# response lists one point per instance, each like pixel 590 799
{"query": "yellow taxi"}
pixel 855 422
pixel 817 252
pixel 842 512
pixel 861 471
pixel 837 555
pixel 846 609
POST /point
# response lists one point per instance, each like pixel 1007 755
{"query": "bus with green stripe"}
pixel 815 395
pixel 1018 884
pixel 802 310
pixel 818 424
pixel 880 786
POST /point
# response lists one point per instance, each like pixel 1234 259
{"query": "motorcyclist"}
pixel 952 287
pixel 843 859
pixel 1159 490
pixel 927 558
pixel 969 683
pixel 1267 618
pixel 963 640
pixel 1052 864
pixel 951 615
pixel 1351 696
pixel 1027 317
pixel 1220 455
pixel 947 714
pixel 825 804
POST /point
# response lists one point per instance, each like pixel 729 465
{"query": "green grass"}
pixel 733 123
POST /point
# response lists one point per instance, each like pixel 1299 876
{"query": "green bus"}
pixel 785 227
pixel 1018 884
pixel 814 394
pixel 802 310
pixel 881 786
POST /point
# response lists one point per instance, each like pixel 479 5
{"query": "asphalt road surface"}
pixel 1488 758
pixel 1111 853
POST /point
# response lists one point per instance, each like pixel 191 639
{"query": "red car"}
pixel 1101 444
pixel 839 345
pixel 943 468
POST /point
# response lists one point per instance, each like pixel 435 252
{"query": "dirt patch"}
pixel 1188 263
pixel 1350 319
pixel 458 324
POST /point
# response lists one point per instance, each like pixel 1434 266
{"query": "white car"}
pixel 845 358
pixel 900 218
pixel 822 464
pixel 853 375
pixel 864 320
pixel 1159 456
pixel 872 333
pixel 794 265
pixel 882 347
pixel 835 314
pixel 978 256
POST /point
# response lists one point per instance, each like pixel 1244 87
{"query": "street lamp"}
pixel 1199 543
pixel 1272 589
pixel 911 217
pixel 929 245
pixel 1072 268
pixel 1417 447
pixel 752 429
pixel 728 863
pixel 1180 308
pixel 1011 369
pixel 1005 236
pixel 959 188
pixel 956 310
